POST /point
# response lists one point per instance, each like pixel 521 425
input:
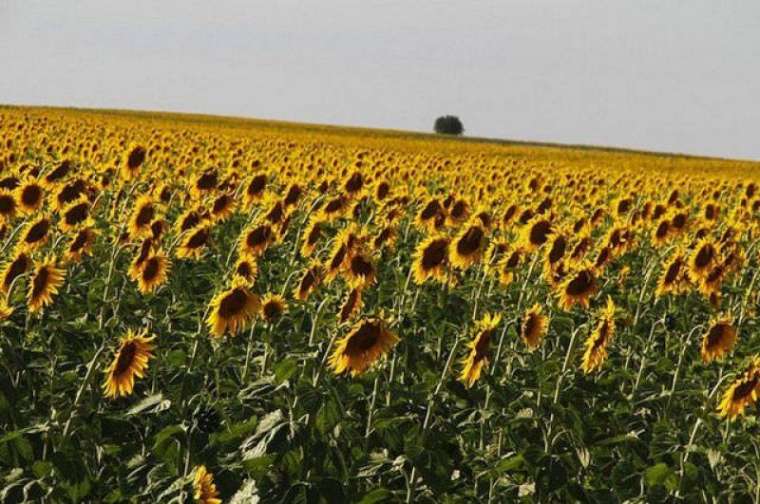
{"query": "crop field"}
pixel 201 309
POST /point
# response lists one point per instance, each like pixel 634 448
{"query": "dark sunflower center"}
pixel 434 254
pixel 673 270
pixel 314 234
pixel 60 172
pixel 354 183
pixel 558 249
pixel 145 215
pixel 308 280
pixel 604 333
pixel 481 348
pixel 704 256
pixel 258 236
pixel 430 210
pixel 272 310
pixel 7 204
pixel 539 232
pixel 38 231
pixel 150 271
pixel 382 190
pixel 221 203
pixel 207 181
pixel 136 158
pixel 294 194
pixel 531 326
pixel 715 335
pixel 76 214
pixel 334 205
pixel 18 267
pixel 126 357
pixel 40 282
pixel 257 185
pixel 198 239
pixel 360 266
pixel 458 210
pixel 745 389
pixel 233 303
pixel 470 242
pixel 70 192
pixel 275 214
pixel 190 221
pixel 79 241
pixel 31 195
pixel 337 259
pixel 662 229
pixel 581 284
pixel 363 339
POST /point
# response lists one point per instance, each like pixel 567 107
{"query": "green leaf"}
pixel 284 370
pixel 510 464
pixel 149 402
pixel 661 475
pixel 163 437
pixel 376 495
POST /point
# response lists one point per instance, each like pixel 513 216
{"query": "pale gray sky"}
pixel 679 76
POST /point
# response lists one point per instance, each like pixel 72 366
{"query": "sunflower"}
pixel 362 346
pixel 247 268
pixel 222 207
pixel 231 310
pixel 204 183
pixel 705 254
pixel 5 310
pixel 45 281
pixel 661 233
pixel 14 269
pixel 76 214
pixel 360 271
pixel 351 305
pixel 477 357
pixel 35 234
pixel 430 259
pixel 599 340
pixel 30 196
pixel 8 206
pixel 153 272
pixel 204 489
pixel 508 265
pixel 719 339
pixel 80 245
pixel 534 326
pixel 272 307
pixel 255 240
pixel 194 243
pixel 311 236
pixel 133 160
pixel 308 282
pixel 744 390
pixel 577 288
pixel 131 360
pixel 673 277
pixel 142 215
pixel 535 233
pixel 254 190
pixel 467 246
pixel 428 213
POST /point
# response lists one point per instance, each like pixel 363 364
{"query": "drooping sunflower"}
pixel 534 326
pixel 703 257
pixel 673 277
pixel 35 234
pixel 477 357
pixel 222 207
pixel 75 215
pixel 143 213
pixel 273 306
pixel 744 390
pixel 133 160
pixel 310 279
pixel 255 188
pixel 8 206
pixel 508 265
pixel 231 310
pixel 130 361
pixel 362 346
pixel 536 232
pixel 311 236
pixel 204 488
pixel 719 339
pixel 599 339
pixel 577 288
pixel 30 196
pixel 44 284
pixel 153 272
pixel 15 268
pixel 80 245
pixel 430 259
pixel 467 246
pixel 351 305
pixel 255 240
pixel 360 270
pixel 193 245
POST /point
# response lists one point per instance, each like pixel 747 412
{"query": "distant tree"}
pixel 448 125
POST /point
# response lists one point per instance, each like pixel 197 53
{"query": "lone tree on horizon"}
pixel 448 125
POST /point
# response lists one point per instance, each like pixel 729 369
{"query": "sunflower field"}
pixel 199 309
